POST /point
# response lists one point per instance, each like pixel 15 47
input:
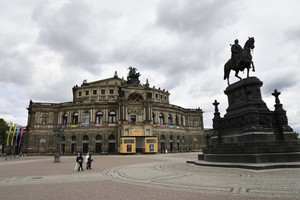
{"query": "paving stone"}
pixel 159 176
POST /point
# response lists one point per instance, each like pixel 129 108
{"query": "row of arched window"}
pixel 86 118
pixel 170 121
pixel 99 118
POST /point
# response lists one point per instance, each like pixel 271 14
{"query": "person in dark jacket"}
pixel 79 160
pixel 89 162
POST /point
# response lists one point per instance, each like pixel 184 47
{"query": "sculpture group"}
pixel 241 59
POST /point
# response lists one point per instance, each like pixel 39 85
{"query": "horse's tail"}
pixel 226 70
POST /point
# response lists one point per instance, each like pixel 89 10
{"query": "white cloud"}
pixel 47 47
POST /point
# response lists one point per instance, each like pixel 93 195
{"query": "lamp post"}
pixel 58 134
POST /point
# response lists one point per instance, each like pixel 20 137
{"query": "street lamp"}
pixel 58 135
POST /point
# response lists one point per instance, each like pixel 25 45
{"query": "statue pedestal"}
pixel 249 132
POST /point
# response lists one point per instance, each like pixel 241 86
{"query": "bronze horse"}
pixel 245 61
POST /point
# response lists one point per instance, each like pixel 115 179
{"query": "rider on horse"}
pixel 236 54
pixel 240 60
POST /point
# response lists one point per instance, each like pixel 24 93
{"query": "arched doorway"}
pixel 111 144
pixel 183 143
pixel 63 144
pixel 85 144
pixel 162 143
pixel 178 143
pixel 171 143
pixel 98 147
pixel 73 144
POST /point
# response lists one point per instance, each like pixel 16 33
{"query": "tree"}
pixel 3 129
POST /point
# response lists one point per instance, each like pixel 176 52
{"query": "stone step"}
pixel 254 158
pixel 251 150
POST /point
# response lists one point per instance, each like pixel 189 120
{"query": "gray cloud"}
pixel 281 81
pixel 179 45
pixel 195 18
pixel 66 30
pixel 15 67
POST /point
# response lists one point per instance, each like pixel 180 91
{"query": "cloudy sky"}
pixel 47 47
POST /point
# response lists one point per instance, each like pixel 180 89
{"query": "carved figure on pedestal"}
pixel 240 60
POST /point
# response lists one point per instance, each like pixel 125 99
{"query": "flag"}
pixel 21 134
pixel 7 140
pixel 17 134
pixel 12 138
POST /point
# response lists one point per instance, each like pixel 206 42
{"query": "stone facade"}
pixel 104 111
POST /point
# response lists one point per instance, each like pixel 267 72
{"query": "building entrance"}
pixel 131 145
pixel 140 144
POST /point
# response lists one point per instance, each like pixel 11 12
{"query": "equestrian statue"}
pixel 241 59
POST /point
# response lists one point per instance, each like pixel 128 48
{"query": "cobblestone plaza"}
pixel 158 176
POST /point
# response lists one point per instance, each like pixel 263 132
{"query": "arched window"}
pixel 98 137
pixel 99 117
pixel 85 138
pixel 64 119
pixel 161 119
pixel 170 119
pixel 75 118
pixel 74 139
pixel 111 117
pixel 111 138
pixel 176 120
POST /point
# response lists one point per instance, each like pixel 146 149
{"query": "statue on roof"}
pixel 133 76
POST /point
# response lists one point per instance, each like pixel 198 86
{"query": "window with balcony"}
pixel 111 117
pixel 99 118
pixel 161 119
pixel 75 118
pixel 170 119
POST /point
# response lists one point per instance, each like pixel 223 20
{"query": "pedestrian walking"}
pixel 79 159
pixel 76 163
pixel 86 160
pixel 89 163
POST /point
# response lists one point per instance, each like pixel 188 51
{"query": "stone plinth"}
pixel 249 132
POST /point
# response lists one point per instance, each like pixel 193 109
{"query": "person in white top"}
pixel 86 160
